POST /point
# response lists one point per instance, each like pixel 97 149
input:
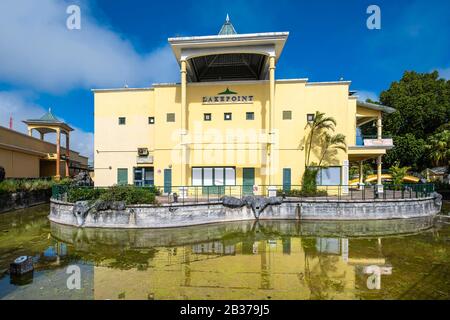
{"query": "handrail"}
pixel 208 194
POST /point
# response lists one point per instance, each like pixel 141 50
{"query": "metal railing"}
pixel 213 194
pixel 360 138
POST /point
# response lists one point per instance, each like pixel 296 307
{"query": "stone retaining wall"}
pixel 23 199
pixel 179 215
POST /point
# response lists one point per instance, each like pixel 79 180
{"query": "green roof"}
pixel 49 117
pixel 227 28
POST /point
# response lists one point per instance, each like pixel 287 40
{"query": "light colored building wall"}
pixel 116 145
pixel 239 143
pixel 23 156
pixel 18 164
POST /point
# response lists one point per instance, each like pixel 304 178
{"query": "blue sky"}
pixel 43 64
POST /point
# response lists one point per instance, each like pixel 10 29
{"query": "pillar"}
pixel 379 127
pixel 42 135
pixel 183 114
pixel 271 115
pixel 67 154
pixel 58 153
pixel 30 132
pixel 379 172
pixel 361 173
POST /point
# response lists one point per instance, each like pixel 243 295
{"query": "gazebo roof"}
pixel 50 120
pixel 228 56
pixel 227 28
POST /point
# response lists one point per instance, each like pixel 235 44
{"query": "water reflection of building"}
pixel 287 268
pixel 215 247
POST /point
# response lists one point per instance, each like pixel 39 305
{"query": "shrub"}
pixel 398 173
pixel 129 194
pixel 16 185
pixel 84 194
pixel 309 181
pixel 302 194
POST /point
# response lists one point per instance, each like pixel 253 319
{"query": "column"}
pixel 271 115
pixel 361 173
pixel 67 154
pixel 379 127
pixel 183 125
pixel 58 153
pixel 345 174
pixel 42 136
pixel 30 132
pixel 379 169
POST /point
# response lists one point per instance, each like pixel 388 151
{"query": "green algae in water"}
pixel 397 259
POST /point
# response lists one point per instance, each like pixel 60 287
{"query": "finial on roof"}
pixel 227 28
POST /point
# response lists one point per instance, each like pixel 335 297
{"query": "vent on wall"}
pixel 143 152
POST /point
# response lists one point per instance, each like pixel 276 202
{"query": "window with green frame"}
pixel 213 176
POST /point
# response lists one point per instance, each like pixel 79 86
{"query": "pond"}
pixel 396 259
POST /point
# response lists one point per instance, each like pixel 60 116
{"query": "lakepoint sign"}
pixel 227 97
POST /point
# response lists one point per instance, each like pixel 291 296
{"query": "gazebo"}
pixel 49 123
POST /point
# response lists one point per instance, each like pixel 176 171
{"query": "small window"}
pixel 227 116
pixel 122 120
pixel 207 116
pixel 151 120
pixel 250 116
pixel 171 117
pixel 310 117
pixel 287 115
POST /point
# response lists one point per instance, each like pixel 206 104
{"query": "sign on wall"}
pixel 227 97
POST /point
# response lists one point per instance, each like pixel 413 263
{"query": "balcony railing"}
pixel 214 194
pixel 373 141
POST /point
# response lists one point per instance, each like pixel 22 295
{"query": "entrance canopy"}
pixel 228 55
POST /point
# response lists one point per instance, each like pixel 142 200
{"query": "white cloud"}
pixel 17 105
pixel 38 51
pixel 363 95
pixel 444 73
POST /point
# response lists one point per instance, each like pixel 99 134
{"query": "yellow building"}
pixel 24 156
pixel 229 122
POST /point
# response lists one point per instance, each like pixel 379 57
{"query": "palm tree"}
pixel 320 122
pixel 331 143
pixel 439 148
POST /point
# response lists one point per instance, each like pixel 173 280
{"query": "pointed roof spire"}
pixel 227 28
pixel 49 117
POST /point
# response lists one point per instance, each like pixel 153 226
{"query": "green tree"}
pixel 438 147
pixel 316 127
pixel 422 101
pixel 408 151
pixel 398 173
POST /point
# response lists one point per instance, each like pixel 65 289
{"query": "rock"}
pixel 109 205
pixel 80 211
pixel 21 265
pixel 232 202
pixel 83 179
pixel 2 173
pixel 257 203
pixel 82 208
